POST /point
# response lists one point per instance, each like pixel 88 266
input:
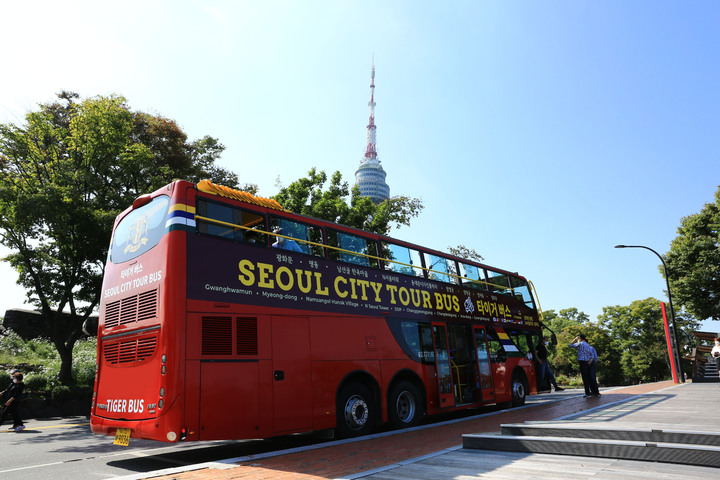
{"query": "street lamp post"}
pixel 678 369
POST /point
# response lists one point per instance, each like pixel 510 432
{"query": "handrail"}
pixel 541 317
pixel 322 245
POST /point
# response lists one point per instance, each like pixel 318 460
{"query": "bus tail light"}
pixel 183 434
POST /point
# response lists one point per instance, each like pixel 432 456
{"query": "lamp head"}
pixel 620 246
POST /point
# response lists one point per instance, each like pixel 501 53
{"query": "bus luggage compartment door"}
pixel 228 399
pixel 292 376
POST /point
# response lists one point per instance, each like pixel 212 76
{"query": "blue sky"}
pixel 540 134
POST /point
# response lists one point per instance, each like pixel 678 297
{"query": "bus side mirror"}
pixel 553 339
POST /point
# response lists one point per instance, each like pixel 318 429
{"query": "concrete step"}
pixel 686 454
pixel 688 447
pixel 584 430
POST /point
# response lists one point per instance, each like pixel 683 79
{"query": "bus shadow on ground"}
pixel 195 453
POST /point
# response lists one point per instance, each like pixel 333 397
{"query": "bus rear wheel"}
pixel 356 411
pixel 405 407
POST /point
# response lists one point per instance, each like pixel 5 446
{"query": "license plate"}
pixel 122 437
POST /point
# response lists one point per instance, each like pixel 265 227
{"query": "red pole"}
pixel 669 344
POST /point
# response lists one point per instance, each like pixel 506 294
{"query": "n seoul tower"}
pixel 370 176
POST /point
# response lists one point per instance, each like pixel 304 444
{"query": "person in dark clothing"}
pixel 543 369
pixel 10 397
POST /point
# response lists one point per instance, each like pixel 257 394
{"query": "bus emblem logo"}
pixel 469 308
pixel 137 236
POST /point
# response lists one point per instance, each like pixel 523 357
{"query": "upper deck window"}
pixel 404 260
pixel 498 282
pixel 353 249
pixel 140 230
pixel 297 237
pixel 473 277
pixel 227 221
pixel 440 268
pixel 522 291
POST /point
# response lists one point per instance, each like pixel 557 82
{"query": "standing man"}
pixel 586 356
pixel 541 354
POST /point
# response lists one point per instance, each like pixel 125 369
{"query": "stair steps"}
pixel 561 438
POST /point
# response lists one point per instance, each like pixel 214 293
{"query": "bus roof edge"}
pixel 214 189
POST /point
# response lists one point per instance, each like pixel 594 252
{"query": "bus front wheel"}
pixel 405 407
pixel 356 411
pixel 519 390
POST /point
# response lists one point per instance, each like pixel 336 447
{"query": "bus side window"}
pixel 306 235
pixel 439 268
pixel 403 260
pixel 353 249
pixel 495 347
pixel 522 341
pixel 418 337
pixel 226 221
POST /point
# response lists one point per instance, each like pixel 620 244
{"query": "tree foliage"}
pixel 339 203
pixel 694 262
pixel 464 252
pixel 65 174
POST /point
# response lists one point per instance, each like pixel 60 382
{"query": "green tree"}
pixel 639 335
pixel 564 324
pixel 694 262
pixel 557 322
pixel 65 175
pixel 608 367
pixel 338 203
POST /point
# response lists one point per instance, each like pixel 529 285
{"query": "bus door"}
pixel 485 377
pixel 292 385
pixel 442 363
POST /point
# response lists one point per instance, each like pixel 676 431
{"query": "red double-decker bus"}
pixel 224 316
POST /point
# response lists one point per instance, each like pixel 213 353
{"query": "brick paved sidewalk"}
pixel 337 461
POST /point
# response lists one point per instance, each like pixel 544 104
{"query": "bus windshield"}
pixel 140 230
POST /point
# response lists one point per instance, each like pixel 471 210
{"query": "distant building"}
pixel 370 176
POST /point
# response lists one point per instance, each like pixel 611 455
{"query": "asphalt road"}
pixel 65 448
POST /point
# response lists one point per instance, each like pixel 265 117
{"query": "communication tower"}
pixel 370 176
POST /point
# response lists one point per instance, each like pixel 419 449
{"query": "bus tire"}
pixel 405 405
pixel 356 411
pixel 519 390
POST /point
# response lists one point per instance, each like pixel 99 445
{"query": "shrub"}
pixel 11 344
pixel 61 392
pixel 35 383
pixel 571 381
pixel 84 360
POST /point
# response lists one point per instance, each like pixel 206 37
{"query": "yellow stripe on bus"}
pixel 183 208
